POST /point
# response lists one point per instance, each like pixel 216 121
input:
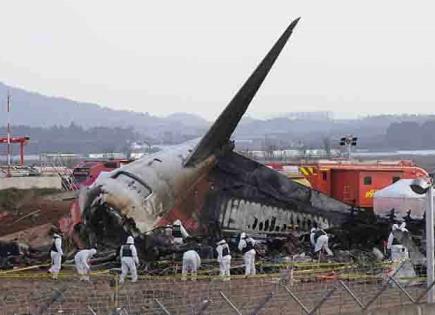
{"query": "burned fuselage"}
pixel 136 197
pixel 249 196
pixel 133 198
pixel 229 192
pixel 206 185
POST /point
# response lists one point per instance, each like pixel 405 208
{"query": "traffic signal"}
pixel 354 140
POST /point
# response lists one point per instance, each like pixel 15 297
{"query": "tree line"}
pixel 74 139
pixel 411 135
pixel 77 139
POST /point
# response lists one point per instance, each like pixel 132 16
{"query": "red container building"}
pixel 353 182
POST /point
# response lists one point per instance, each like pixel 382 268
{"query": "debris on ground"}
pixel 38 237
pixel 28 220
pixel 22 209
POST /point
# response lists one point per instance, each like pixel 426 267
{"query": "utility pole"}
pixel 430 244
pixel 8 99
pixel 425 187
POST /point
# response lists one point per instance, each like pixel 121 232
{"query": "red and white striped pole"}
pixel 9 135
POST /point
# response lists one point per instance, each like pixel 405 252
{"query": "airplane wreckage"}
pixel 209 187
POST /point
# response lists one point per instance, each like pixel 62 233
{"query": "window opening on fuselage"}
pixel 133 183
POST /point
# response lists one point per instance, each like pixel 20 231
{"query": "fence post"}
pixel 402 289
pixel 351 294
pixel 162 307
pixel 203 306
pixel 424 292
pixel 91 310
pixel 263 303
pixel 230 303
pixel 320 303
pixel 296 299
pixel 54 297
pixel 387 283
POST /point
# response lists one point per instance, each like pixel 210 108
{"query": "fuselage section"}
pixel 147 189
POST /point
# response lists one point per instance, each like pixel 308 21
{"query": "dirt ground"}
pixel 261 295
pixel 22 209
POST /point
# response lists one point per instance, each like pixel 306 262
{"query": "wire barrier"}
pixel 291 288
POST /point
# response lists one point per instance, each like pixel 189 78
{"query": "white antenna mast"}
pixel 8 99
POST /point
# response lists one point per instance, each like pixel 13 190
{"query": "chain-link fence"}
pixel 296 289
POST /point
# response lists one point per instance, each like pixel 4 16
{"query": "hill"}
pixel 37 110
pixel 60 124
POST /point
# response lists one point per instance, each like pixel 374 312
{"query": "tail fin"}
pixel 219 134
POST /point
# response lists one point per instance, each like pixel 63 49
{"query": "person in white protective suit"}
pixel 246 246
pixel 191 263
pixel 56 254
pixel 81 260
pixel 129 260
pixel 179 233
pixel 312 241
pixel 224 259
pixel 395 249
pixel 321 239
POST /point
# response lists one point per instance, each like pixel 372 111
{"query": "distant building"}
pixel 107 155
pixel 310 115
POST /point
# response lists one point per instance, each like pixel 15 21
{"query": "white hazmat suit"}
pixel 224 259
pixel 81 260
pixel 321 239
pixel 129 260
pixel 56 254
pixel 391 237
pixel 246 246
pixel 397 250
pixel 312 235
pixel 191 263
pixel 179 232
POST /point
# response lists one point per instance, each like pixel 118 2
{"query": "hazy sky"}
pixel 358 57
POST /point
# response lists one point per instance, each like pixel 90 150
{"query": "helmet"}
pixel 177 222
pixel 55 235
pixel 130 240
pixel 93 251
pixel 243 235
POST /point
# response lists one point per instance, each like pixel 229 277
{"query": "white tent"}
pixel 400 197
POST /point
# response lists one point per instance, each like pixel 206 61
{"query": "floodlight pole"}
pixel 430 244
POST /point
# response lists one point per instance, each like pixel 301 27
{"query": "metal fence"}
pixel 296 289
